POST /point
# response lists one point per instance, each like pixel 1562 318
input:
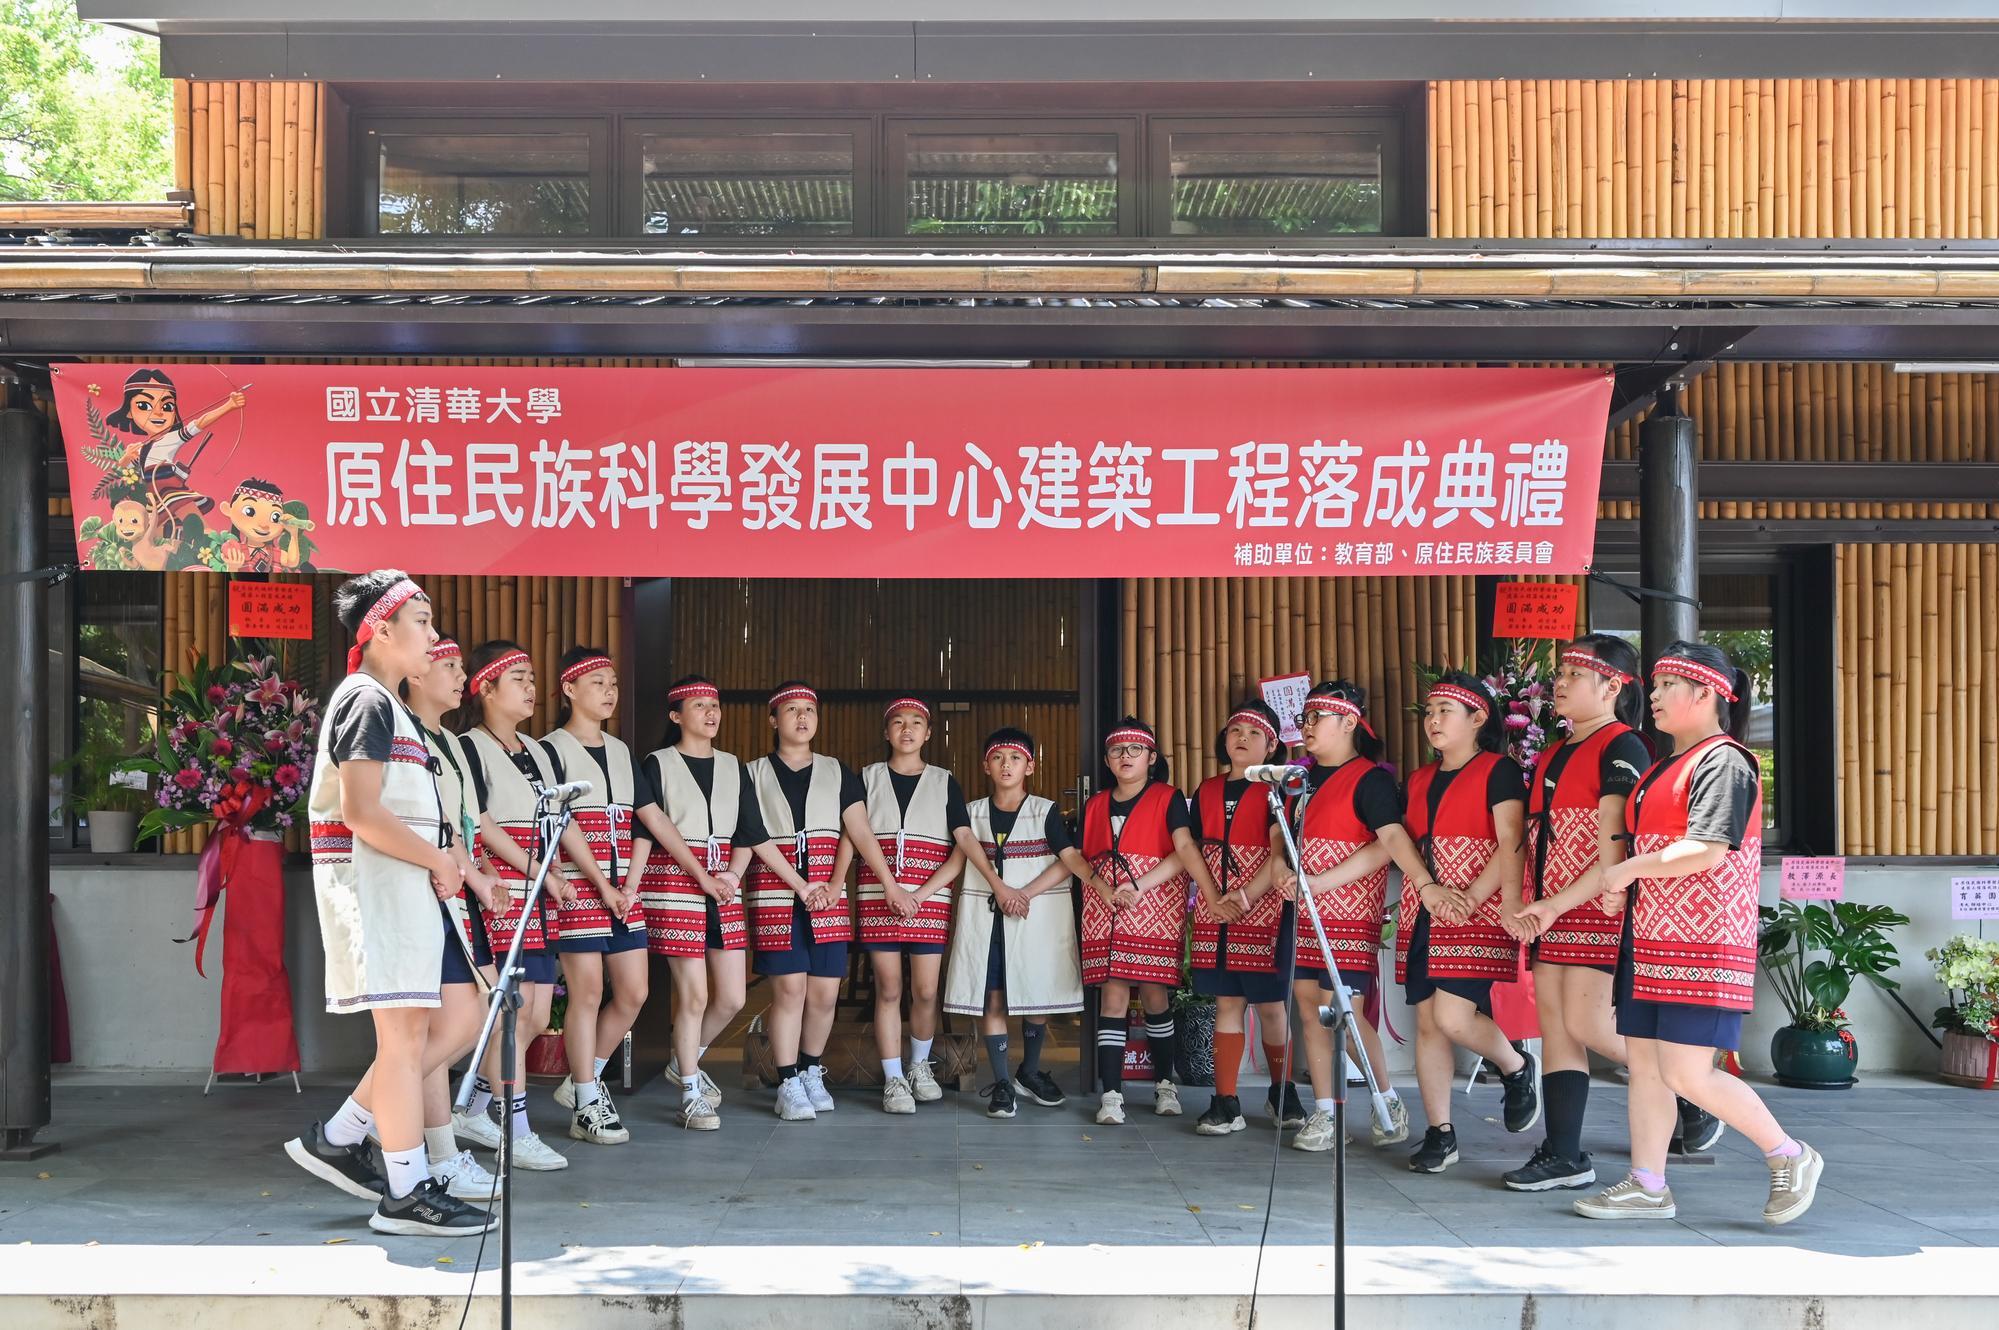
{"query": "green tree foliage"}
pixel 83 114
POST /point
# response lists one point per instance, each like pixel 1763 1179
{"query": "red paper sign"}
pixel 1812 878
pixel 834 472
pixel 270 609
pixel 1535 609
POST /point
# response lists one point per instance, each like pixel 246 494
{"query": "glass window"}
pixel 1011 183
pixel 116 695
pixel 1270 178
pixel 723 183
pixel 483 184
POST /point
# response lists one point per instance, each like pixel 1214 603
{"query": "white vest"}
pixel 703 822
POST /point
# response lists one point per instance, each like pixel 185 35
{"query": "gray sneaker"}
pixel 1628 1200
pixel 1794 1184
pixel 1317 1133
pixel 896 1097
pixel 1397 1129
pixel 923 1083
pixel 697 1114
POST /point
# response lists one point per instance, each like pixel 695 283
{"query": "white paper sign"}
pixel 1975 897
pixel 1285 694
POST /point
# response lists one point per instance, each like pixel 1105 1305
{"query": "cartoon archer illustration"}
pixel 146 478
pixel 268 533
pixel 152 410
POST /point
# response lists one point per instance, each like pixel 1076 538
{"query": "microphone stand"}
pixel 552 818
pixel 1337 1017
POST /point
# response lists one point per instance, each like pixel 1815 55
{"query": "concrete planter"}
pixel 112 832
pixel 1969 1060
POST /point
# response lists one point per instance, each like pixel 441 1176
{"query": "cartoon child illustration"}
pixel 265 537
pixel 135 537
pixel 161 453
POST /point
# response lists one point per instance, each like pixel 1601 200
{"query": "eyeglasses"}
pixel 1127 750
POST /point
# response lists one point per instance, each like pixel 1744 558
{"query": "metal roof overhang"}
pixel 1406 301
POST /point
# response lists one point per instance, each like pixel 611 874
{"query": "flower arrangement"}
pixel 235 746
pixel 1968 968
pixel 1854 941
pixel 1524 683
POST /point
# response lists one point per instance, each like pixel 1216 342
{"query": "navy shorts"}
pixel 621 938
pixel 996 959
pixel 457 969
pixel 819 960
pixel 906 948
pixel 1680 1023
pixel 1359 982
pixel 1254 986
pixel 539 967
pixel 1419 987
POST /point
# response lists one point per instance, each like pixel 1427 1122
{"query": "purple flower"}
pixel 1517 721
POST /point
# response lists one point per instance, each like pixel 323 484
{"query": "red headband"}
pixel 378 614
pixel 687 690
pixel 1004 746
pixel 586 665
pixel 495 668
pixel 1339 706
pixel 1248 717
pixel 1130 735
pixel 1464 697
pixel 799 694
pixel 1578 657
pixel 906 704
pixel 446 649
pixel 1696 672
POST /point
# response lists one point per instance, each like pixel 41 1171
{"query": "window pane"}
pixel 725 184
pixel 1012 184
pixel 118 686
pixel 484 185
pixel 1302 183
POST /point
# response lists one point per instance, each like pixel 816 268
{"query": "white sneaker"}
pixel 697 1114
pixel 533 1154
pixel 463 1177
pixel 923 1083
pixel 815 1089
pixel 478 1128
pixel 1110 1110
pixel 897 1097
pixel 565 1093
pixel 709 1090
pixel 1397 1129
pixel 793 1105
pixel 1316 1134
pixel 1165 1099
pixel 598 1124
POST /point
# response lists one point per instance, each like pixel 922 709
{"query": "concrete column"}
pixel 1668 527
pixel 24 784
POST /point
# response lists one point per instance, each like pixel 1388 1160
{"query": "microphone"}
pixel 1281 774
pixel 562 794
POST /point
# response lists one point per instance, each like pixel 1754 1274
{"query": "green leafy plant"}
pixel 1968 968
pixel 1812 954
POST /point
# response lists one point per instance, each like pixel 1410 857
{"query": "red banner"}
pixel 834 472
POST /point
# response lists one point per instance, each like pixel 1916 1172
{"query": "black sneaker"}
pixel 1523 1095
pixel 1699 1130
pixel 429 1211
pixel 1040 1087
pixel 1000 1102
pixel 1224 1116
pixel 348 1167
pixel 1547 1170
pixel 1438 1151
pixel 1292 1113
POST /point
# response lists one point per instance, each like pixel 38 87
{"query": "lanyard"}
pixel 444 746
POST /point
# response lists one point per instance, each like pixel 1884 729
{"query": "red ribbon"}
pixel 215 867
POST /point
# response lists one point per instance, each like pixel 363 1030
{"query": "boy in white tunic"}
pixel 382 850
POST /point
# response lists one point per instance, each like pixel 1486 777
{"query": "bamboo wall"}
pixel 1715 157
pixel 1919 699
pixel 254 155
pixel 951 642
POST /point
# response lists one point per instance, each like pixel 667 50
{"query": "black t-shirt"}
pixel 1620 764
pixel 523 762
pixel 362 724
pixel 955 815
pixel 795 784
pixel 1054 829
pixel 1377 800
pixel 1506 784
pixel 1233 793
pixel 749 831
pixel 1720 796
pixel 1176 811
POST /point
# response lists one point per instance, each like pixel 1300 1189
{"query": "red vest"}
pixel 1351 915
pixel 1562 846
pixel 1140 944
pixel 1459 847
pixel 1235 854
pixel 1693 938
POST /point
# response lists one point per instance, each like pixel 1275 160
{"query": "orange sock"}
pixel 1274 1055
pixel 1228 1060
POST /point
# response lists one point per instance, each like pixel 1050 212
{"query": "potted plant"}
pixel 1812 953
pixel 1968 969
pixel 547 1055
pixel 1193 1024
pixel 105 801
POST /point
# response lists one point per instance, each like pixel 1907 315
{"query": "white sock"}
pixel 439 1144
pixel 404 1169
pixel 1391 1096
pixel 701 1052
pixel 891 1067
pixel 350 1125
pixel 602 1063
pixel 482 1095
pixel 586 1093
pixel 690 1091
pixel 1324 1105
pixel 919 1049
pixel 518 1125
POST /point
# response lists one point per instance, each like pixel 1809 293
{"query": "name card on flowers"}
pixel 1975 897
pixel 1812 878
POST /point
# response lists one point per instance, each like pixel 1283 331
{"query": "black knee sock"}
pixel 789 1071
pixel 1110 1056
pixel 996 1055
pixel 1565 1098
pixel 1032 1035
pixel 1159 1035
pixel 807 1061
